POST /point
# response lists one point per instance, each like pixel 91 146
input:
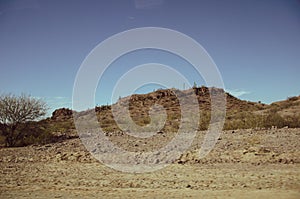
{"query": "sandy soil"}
pixel 244 164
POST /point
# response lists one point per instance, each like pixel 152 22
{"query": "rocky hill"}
pixel 140 105
pixel 240 114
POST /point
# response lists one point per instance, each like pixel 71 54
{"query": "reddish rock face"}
pixel 62 114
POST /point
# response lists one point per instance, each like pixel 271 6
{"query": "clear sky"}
pixel 255 44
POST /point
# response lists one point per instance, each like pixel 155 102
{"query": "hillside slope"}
pixel 240 114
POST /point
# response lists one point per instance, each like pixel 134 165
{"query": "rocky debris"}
pixel 102 108
pixel 81 156
pixel 265 153
pixel 62 114
pixel 189 157
pixel 69 134
pixel 232 148
pixel 233 164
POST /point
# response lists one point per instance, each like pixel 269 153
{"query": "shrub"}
pixel 15 111
pixel 274 119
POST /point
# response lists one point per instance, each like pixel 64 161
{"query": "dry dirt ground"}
pixel 243 164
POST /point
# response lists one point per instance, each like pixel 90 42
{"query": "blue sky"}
pixel 255 44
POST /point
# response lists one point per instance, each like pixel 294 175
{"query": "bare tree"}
pixel 15 111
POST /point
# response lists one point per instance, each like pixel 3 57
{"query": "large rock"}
pixel 62 114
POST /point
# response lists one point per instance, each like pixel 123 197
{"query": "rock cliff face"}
pixel 62 114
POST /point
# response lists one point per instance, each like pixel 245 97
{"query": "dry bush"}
pixel 15 112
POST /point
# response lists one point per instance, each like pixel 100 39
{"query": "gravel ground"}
pixel 243 164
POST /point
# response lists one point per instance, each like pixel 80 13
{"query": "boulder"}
pixel 62 114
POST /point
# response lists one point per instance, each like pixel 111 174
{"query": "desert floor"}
pixel 243 164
